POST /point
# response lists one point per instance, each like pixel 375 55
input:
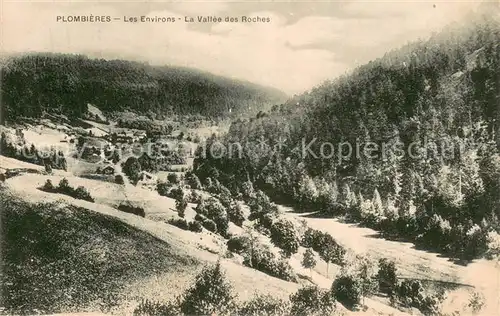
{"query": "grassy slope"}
pixel 166 258
pixel 60 257
pixel 165 283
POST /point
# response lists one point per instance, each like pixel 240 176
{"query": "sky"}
pixel 305 42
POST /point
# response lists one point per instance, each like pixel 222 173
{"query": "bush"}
pixel 82 194
pixel 139 211
pixel 180 206
pixel 195 197
pixel 200 218
pixel 238 244
pixel 264 305
pixel 264 222
pixel 48 186
pixel 284 236
pixel 119 179
pixel 476 302
pixel 214 211
pixel 235 214
pixel 193 181
pixel 64 188
pixel 262 259
pixel 163 188
pixel 173 178
pixel 309 238
pixel 210 225
pixel 387 280
pixel 308 260
pixel 493 239
pixel 151 308
pixel 312 300
pixel 347 290
pixel 225 196
pixel 131 168
pixel 247 191
pixel 325 245
pixel 411 293
pixel 195 226
pixel 176 193
pixel 261 204
pixel 211 294
pixel 178 222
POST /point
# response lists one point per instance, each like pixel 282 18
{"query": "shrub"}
pixel 493 239
pixel 260 202
pixel 64 188
pixel 208 184
pixel 132 168
pixel 195 197
pixel 163 188
pixel 476 302
pixel 326 246
pixel 210 225
pixel 411 293
pixel 264 305
pixel 311 300
pixel 82 194
pixel 264 222
pixel 386 276
pixel 214 210
pixel 308 260
pixel 64 185
pixel 309 238
pixel 119 179
pixel 235 214
pixel 181 206
pixel 247 191
pixel 238 244
pixel 284 236
pixel 178 222
pixel 151 308
pixel 262 259
pixel 173 178
pixel 132 210
pixel 200 217
pixel 211 293
pixel 347 290
pixel 225 196
pixel 195 226
pixel 176 193
pixel 48 186
pixel 193 181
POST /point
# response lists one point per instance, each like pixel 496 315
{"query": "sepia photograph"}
pixel 253 158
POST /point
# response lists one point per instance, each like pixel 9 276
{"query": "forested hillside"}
pixel 32 84
pixel 432 108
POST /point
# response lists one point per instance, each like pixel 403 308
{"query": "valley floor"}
pixel 483 275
